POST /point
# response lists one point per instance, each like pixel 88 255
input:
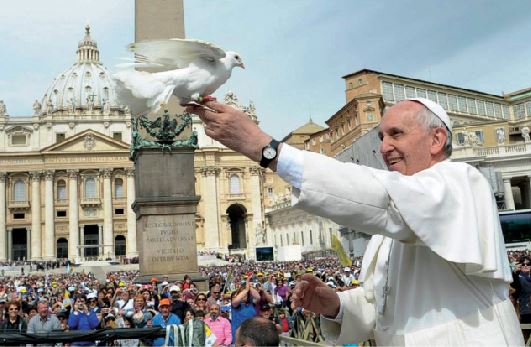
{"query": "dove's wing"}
pixel 175 53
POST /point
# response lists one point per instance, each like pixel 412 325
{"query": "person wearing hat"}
pixel 164 318
pixel 347 277
pixel 427 215
pixel 179 306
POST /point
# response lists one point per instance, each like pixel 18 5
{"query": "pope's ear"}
pixel 438 141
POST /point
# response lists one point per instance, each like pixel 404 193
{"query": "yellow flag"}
pixel 344 259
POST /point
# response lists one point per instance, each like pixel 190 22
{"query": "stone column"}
pixel 256 203
pixel 101 249
pixel 9 244
pixel 131 215
pixel 81 238
pixel 73 217
pixel 49 227
pixel 3 231
pixel 36 245
pixel 508 194
pixel 107 214
pixel 210 193
pixel 29 252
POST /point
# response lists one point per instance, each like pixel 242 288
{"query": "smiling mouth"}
pixel 393 161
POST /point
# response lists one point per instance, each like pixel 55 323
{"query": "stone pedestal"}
pixel 165 208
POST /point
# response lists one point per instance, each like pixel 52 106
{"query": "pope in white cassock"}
pixel 436 270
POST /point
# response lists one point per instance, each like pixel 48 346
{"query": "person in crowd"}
pixel 82 318
pixel 188 314
pixel 452 225
pixel 201 302
pixel 283 322
pixel 14 323
pixel 242 306
pixel 179 306
pixel 43 322
pixel 215 295
pixel 257 331
pixel 221 327
pixel 164 318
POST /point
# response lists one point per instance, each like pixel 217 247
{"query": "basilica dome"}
pixel 86 85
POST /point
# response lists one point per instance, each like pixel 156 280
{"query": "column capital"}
pixel 210 170
pixel 106 173
pixel 48 174
pixel 36 175
pixel 130 172
pixel 3 176
pixel 256 170
pixel 72 173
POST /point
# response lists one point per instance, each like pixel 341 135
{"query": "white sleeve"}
pixel 355 321
pixel 290 165
pixel 348 194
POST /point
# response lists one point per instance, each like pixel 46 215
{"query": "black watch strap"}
pixel 264 162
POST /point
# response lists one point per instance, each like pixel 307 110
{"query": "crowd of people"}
pixel 236 292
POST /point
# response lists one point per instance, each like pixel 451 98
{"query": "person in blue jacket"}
pixel 163 319
pixel 82 318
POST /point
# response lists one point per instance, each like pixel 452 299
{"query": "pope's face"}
pixel 406 144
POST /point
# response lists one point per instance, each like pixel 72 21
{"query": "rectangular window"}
pixel 505 110
pixel 117 136
pixel 18 140
pixel 387 89
pixel 400 93
pixel 462 104
pixel 443 101
pixel 118 211
pixel 60 137
pixel 19 216
pixel 410 92
pixel 490 108
pixel 481 107
pixel 61 213
pixel 421 93
pixel 432 95
pixel 528 108
pixel 519 111
pixel 302 237
pixel 497 111
pixel 270 192
pixel 452 102
pixel 471 103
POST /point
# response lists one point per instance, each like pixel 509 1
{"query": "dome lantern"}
pixel 87 51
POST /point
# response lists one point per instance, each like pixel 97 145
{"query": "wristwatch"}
pixel 269 153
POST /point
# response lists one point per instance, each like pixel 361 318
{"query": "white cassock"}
pixel 436 270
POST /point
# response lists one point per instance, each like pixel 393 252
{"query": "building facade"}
pixel 66 183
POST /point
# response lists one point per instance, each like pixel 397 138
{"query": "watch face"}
pixel 269 152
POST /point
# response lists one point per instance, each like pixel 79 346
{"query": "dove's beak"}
pixel 242 66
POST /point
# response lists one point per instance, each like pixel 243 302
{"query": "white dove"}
pixel 191 70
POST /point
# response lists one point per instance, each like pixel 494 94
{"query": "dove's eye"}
pixel 237 57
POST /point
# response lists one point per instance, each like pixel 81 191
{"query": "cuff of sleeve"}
pixel 290 165
pixel 339 317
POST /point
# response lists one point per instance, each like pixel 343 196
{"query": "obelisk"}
pixel 166 202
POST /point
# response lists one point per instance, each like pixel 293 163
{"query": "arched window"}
pixel 234 184
pixel 90 187
pixel 20 190
pixel 61 190
pixel 118 188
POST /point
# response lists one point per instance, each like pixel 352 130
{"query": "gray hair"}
pixel 429 120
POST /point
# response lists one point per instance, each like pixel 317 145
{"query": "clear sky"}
pixel 295 51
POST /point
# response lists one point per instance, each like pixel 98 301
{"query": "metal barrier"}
pixel 290 341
